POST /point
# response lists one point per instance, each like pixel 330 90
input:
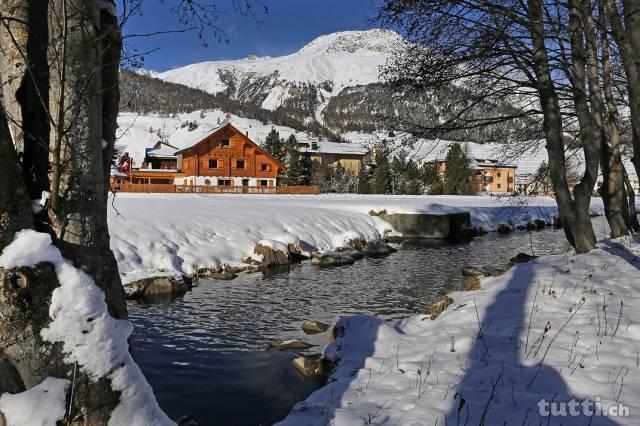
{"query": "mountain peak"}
pixel 374 41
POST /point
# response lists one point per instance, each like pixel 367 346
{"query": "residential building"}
pixel 350 156
pixel 226 157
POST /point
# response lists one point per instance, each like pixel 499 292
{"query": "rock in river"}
pixel 331 258
pixel 285 345
pixel 314 327
pixel 157 286
pixel 313 366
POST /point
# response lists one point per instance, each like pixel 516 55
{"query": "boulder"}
pixel 331 258
pixel 217 274
pixel 503 228
pixel 540 223
pixel 522 258
pixel 270 256
pixel 531 226
pixel 377 248
pixel 287 345
pixel 313 366
pixel 157 286
pixel 437 308
pixel 472 271
pixel 314 327
pixel 471 283
pixel 350 251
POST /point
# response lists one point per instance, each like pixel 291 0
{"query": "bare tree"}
pixel 59 75
pixel 544 56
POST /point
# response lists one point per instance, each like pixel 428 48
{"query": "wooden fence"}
pixel 208 189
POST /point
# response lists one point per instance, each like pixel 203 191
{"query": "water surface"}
pixel 204 354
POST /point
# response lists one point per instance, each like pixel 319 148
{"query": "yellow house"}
pixel 489 175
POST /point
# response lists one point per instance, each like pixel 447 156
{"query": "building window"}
pixel 207 181
pixel 224 143
pixel 265 167
pixel 499 186
pixel 224 182
pixel 264 182
pixel 499 174
pixel 239 164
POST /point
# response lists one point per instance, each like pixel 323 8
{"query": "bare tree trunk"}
pixel 574 215
pixel 629 55
pixel 15 211
pixel 78 210
pixel 632 216
pixel 25 79
pixel 112 46
pixel 612 190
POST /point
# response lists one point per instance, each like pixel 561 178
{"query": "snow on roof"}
pixel 116 172
pixel 164 152
pixel 325 147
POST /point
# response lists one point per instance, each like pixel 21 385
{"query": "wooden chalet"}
pixel 227 157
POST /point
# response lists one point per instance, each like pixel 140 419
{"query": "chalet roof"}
pixel 480 163
pixel 326 147
pixel 234 129
pixel 162 153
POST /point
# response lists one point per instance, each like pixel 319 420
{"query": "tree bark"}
pixel 613 189
pixel 574 214
pixel 25 79
pixel 629 57
pixel 78 211
pixel 15 210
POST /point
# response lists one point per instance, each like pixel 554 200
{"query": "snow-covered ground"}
pixel 153 234
pixel 559 334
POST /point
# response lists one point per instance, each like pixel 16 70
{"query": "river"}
pixel 205 354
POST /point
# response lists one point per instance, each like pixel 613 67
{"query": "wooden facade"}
pixel 227 157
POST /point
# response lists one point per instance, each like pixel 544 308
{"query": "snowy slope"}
pixel 155 234
pixel 332 61
pixel 134 134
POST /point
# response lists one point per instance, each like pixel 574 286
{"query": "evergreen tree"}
pixel 365 178
pixel 274 145
pixel 382 175
pixel 457 173
pixel 339 180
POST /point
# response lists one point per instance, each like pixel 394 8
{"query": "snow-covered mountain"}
pixel 303 81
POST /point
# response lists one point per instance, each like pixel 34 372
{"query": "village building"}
pixel 350 156
pixel 489 175
pixel 492 176
pixel 227 157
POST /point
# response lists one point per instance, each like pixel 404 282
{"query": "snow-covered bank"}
pixel 560 328
pixel 155 234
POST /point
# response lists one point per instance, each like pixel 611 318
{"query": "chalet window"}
pixel 265 167
pixel 264 182
pixel 499 174
pixel 224 182
pixel 215 164
pixel 499 186
pixel 224 143
pixel 239 164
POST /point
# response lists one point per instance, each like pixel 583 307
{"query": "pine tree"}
pixel 382 175
pixel 457 173
pixel 274 145
pixel 365 178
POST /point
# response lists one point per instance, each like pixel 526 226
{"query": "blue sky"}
pixel 288 25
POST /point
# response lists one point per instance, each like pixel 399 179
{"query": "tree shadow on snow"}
pixel 617 249
pixel 497 389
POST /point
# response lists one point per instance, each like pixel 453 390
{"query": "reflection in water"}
pixel 205 354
